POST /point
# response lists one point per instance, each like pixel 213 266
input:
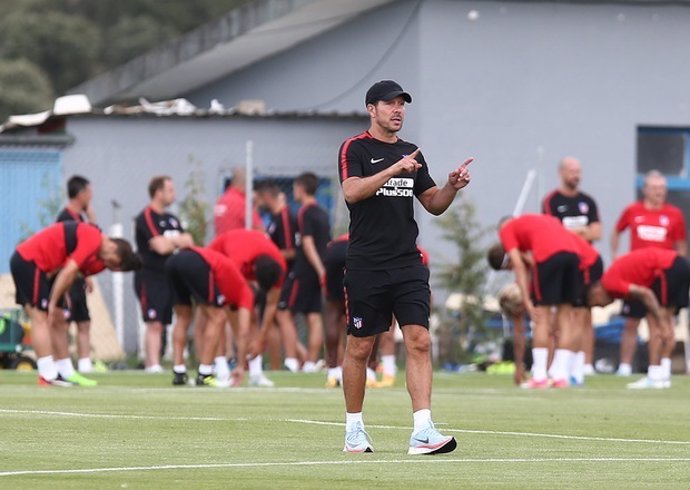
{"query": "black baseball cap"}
pixel 386 90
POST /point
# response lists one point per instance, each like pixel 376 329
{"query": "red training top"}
pixel 243 247
pixel 639 267
pixel 540 234
pixel 228 278
pixel 229 212
pixel 652 227
pixel 48 248
pixel 585 251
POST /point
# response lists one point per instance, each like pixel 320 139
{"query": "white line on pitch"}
pixel 121 416
pixel 503 433
pixel 337 463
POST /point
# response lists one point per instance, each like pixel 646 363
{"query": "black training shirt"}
pixel 383 232
pixel 69 215
pixel 149 224
pixel 312 220
pixel 574 212
pixel 283 229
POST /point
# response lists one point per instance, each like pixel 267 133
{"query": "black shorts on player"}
pixel 334 262
pixel 78 309
pixel 374 297
pixel 588 277
pixel 673 286
pixel 633 308
pixel 191 279
pixel 557 280
pixel 155 296
pixel 32 286
pixel 303 293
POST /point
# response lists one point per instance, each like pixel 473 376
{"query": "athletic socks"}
pixel 336 373
pixel 539 359
pixel 421 419
pixel 560 366
pixel 655 373
pixel 624 369
pixel 65 367
pixel 292 364
pixel 179 368
pixel 205 369
pixel 256 366
pixel 577 370
pixel 389 367
pixel 351 419
pixel 46 368
pixel 84 365
pixel 222 370
pixel 371 374
pixel 665 368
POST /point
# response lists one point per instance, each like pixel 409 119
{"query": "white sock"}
pixel 666 368
pixel 84 365
pixel 179 368
pixel 577 366
pixel 335 373
pixel 655 373
pixel 222 370
pixel 389 367
pixel 421 418
pixel 256 366
pixel 539 358
pixel 351 419
pixel 65 367
pixel 371 374
pixel 46 368
pixel 309 367
pixel 588 370
pixel 292 364
pixel 205 369
pixel 624 369
pixel 560 366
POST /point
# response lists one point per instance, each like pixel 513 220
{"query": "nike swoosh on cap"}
pixel 376 160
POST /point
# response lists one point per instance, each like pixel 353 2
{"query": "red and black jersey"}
pixel 540 234
pixel 243 247
pixel 587 254
pixel 68 215
pixel 283 230
pixel 383 232
pixel 50 248
pixel 149 224
pixel 228 278
pixel 652 227
pixel 639 267
pixel 313 221
pixel 574 211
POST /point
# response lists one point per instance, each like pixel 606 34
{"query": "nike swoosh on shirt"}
pixel 376 160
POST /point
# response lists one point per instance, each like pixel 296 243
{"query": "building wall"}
pixel 519 87
pixel 120 155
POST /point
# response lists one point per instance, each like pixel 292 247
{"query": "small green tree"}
pixel 24 88
pixel 193 208
pixel 465 274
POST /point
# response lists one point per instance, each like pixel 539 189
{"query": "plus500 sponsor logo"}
pixel 397 187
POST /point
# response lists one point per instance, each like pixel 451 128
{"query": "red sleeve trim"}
pixel 343 154
pixel 149 222
pixel 546 204
pixel 288 232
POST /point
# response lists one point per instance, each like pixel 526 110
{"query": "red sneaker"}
pixel 535 384
pixel 54 382
pixel 560 383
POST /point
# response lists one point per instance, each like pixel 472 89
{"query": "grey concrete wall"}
pixel 120 155
pixel 519 87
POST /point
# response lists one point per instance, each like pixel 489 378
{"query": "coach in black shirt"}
pixel 380 174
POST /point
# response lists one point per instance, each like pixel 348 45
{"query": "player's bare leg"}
pixel 315 329
pixel 84 346
pixel 628 346
pixel 154 331
pixel 357 352
pixel 215 321
pixel 43 345
pixel 183 318
pixel 288 332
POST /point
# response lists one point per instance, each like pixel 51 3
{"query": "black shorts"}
pixel 334 263
pixel 155 296
pixel 303 293
pixel 32 285
pixel 672 288
pixel 78 309
pixel 587 278
pixel 190 278
pixel 633 308
pixel 557 280
pixel 373 297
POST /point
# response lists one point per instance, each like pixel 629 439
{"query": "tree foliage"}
pixel 194 208
pixel 71 41
pixel 24 88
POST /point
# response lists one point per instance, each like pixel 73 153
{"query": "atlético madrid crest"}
pixel 357 322
pixel 584 207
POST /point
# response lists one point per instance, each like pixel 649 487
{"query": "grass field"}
pixel 136 431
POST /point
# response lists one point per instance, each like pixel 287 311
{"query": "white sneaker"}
pixel 588 370
pixel 261 381
pixel 155 369
pixel 647 383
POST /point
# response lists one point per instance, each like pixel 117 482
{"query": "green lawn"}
pixel 137 431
